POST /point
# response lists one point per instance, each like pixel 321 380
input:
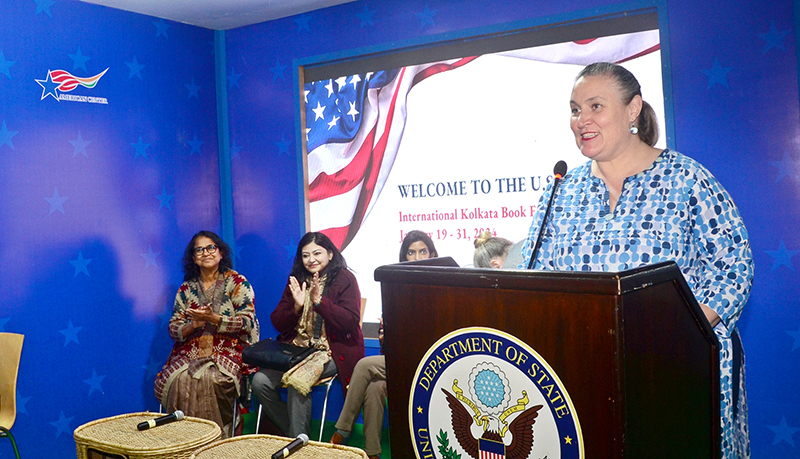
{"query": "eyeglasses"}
pixel 211 249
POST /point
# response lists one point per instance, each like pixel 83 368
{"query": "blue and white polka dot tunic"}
pixel 675 210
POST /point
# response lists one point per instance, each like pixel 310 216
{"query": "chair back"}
pixel 10 352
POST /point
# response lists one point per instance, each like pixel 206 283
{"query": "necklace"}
pixel 213 289
pixel 208 291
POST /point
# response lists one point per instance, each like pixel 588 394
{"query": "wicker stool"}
pixel 262 446
pixel 117 437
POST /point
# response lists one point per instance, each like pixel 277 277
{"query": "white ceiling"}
pixel 219 14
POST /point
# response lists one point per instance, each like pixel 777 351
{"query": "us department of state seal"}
pixel 484 394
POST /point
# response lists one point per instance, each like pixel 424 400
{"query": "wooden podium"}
pixel 633 349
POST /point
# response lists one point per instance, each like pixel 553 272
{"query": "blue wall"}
pixel 97 203
pixel 90 279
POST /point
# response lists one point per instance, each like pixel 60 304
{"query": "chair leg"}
pixel 325 407
pixel 324 410
pixel 258 419
pixel 7 433
pixel 233 420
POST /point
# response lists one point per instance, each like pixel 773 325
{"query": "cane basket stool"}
pixel 262 446
pixel 118 438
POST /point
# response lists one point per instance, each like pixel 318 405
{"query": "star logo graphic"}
pixel 366 16
pixel 786 167
pixel 135 68
pixel 94 382
pixel 277 71
pixel 78 60
pixel 195 144
pixel 782 256
pixel 49 87
pixel 161 28
pixel 44 5
pixel 302 22
pixel 773 38
pixel 783 432
pixel 426 16
pixel 141 148
pixel 80 264
pixel 56 202
pixel 70 333
pixel 233 79
pixel 796 336
pixel 717 75
pixel 283 145
pixel 150 257
pixel 290 250
pixel 235 149
pixel 62 424
pixel 5 65
pixel 193 89
pixel 164 198
pixel 80 146
pixel 21 403
pixel 152 368
pixel 6 135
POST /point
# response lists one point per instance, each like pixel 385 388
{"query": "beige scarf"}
pixel 305 374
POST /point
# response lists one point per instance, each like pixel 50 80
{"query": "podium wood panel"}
pixel 632 349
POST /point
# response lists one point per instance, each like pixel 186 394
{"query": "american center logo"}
pixel 60 81
pixel 481 393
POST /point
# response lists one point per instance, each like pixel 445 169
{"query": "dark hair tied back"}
pixel 629 85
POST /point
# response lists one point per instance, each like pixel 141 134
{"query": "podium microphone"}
pixel 296 444
pixel 172 417
pixel 558 171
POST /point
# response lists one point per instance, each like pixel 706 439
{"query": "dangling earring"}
pixel 634 129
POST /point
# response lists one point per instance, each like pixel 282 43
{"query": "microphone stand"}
pixel 546 214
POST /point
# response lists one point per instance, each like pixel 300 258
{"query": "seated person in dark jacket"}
pixel 320 306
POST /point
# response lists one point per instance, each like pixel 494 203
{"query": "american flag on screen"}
pixel 354 126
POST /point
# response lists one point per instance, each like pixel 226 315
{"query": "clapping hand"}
pixel 200 316
pixel 315 291
pixel 298 293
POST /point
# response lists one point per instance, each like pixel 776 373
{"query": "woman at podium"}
pixel 633 205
